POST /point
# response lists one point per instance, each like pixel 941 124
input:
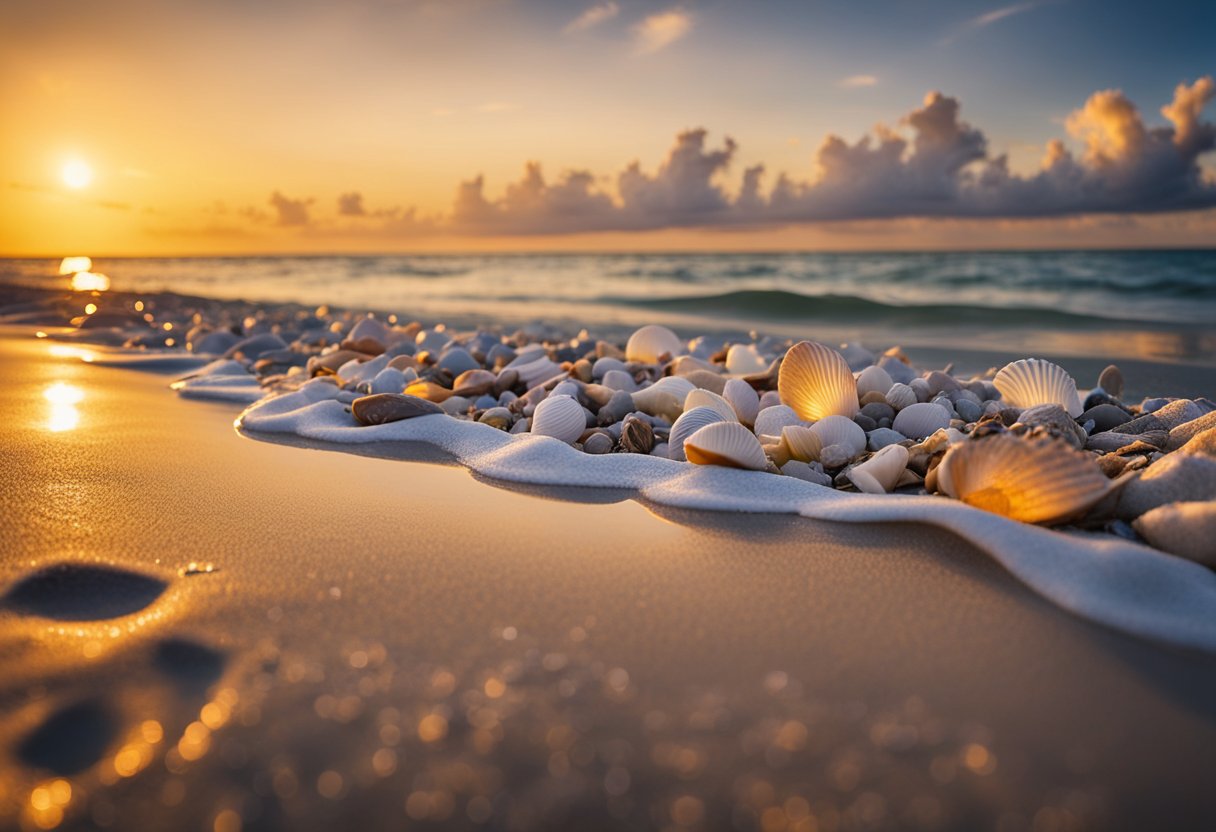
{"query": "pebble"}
pixel 382 408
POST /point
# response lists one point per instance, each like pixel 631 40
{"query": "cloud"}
pixel 290 211
pixel 858 81
pixel 988 18
pixel 351 205
pixel 593 16
pixel 661 30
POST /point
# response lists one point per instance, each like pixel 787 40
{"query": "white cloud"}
pixel 661 30
pixel 593 16
pixel 859 81
pixel 988 18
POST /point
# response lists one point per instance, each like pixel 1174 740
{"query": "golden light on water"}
pixel 63 399
pixel 71 265
pixel 77 174
pixel 90 282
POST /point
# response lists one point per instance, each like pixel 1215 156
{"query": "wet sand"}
pixel 384 642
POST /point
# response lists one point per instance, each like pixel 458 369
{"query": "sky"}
pixel 166 127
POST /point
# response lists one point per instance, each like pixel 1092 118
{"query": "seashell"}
pixel 840 430
pixel 1052 419
pixel 428 390
pixel 742 359
pixel 1111 381
pixel 652 344
pixel 742 397
pixel 705 398
pixel 560 417
pixel 598 443
pixel 497 417
pixel 880 473
pixel 664 398
pixel 728 444
pixel 1184 529
pixel 688 364
pixel 816 382
pixel 637 436
pixel 382 408
pixel 801 443
pixel 770 420
pixel 1032 480
pixel 1174 478
pixel 901 396
pixel 873 379
pixel 917 421
pixel 691 421
pixel 1032 381
pixel 474 383
pixel 707 380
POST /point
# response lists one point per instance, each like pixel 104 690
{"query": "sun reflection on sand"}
pixel 63 399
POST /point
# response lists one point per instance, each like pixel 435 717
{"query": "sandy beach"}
pixel 368 642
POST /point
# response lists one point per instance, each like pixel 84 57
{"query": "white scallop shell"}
pixel 1032 480
pixel 742 359
pixel 816 381
pixel 743 398
pixel 708 398
pixel 651 343
pixel 916 421
pixel 726 443
pixel 801 443
pixel 880 473
pixel 1032 381
pixel 560 417
pixel 873 379
pixel 665 397
pixel 770 420
pixel 691 421
pixel 900 396
pixel 840 430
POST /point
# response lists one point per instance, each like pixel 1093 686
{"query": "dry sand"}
pixel 390 642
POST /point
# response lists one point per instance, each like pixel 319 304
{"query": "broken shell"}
pixel 637 436
pixel 560 417
pixel 873 379
pixel 726 443
pixel 840 430
pixel 880 473
pixel 1184 529
pixel 664 398
pixel 801 443
pixel 691 421
pixel 652 344
pixel 816 382
pixel 917 421
pixel 1056 421
pixel 743 399
pixel 1032 381
pixel 705 398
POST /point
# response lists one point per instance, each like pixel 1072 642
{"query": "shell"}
pixel 637 436
pixel 688 364
pixel 1032 480
pixel 916 421
pixel 900 396
pixel 691 421
pixel 1184 529
pixel 664 398
pixel 742 397
pixel 726 443
pixel 651 343
pixel 1032 381
pixel 1053 419
pixel 560 417
pixel 873 379
pixel 771 420
pixel 840 430
pixel 742 359
pixel 705 398
pixel 816 381
pixel 801 443
pixel 880 473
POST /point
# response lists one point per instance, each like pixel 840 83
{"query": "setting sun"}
pixel 77 174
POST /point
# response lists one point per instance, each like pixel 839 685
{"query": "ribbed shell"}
pixel 560 417
pixel 726 443
pixel 880 473
pixel 801 443
pixel 873 379
pixel 840 430
pixel 1032 381
pixel 665 397
pixel 652 342
pixel 916 421
pixel 1034 481
pixel 742 359
pixel 816 381
pixel 770 420
pixel 708 398
pixel 691 421
pixel 743 398
pixel 900 396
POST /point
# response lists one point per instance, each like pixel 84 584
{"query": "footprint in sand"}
pixel 82 592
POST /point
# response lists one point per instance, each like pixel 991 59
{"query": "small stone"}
pixel 878 439
pixel 1111 380
pixel 865 422
pixel 803 471
pixel 968 411
pixel 1167 417
pixel 878 410
pixel 382 408
pixel 835 456
pixel 1106 417
pixel 940 382
pixel 598 443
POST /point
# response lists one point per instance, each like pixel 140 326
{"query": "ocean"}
pixel 1147 304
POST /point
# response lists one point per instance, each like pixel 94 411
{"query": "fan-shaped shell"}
pixel 770 420
pixel 743 398
pixel 1034 481
pixel 880 473
pixel 664 398
pixel 816 381
pixel 726 443
pixel 708 398
pixel 560 417
pixel 742 359
pixel 840 430
pixel 916 421
pixel 873 379
pixel 801 443
pixel 650 343
pixel 691 421
pixel 1032 381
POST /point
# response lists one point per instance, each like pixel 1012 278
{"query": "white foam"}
pixel 1114 582
pixel 222 380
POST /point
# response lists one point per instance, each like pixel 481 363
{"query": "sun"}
pixel 77 174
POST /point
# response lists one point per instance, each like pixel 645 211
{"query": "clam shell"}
pixel 560 417
pixel 742 397
pixel 1032 381
pixel 1184 529
pixel 916 421
pixel 770 420
pixel 664 398
pixel 1032 480
pixel 816 381
pixel 900 396
pixel 726 443
pixel 705 398
pixel 651 343
pixel 880 473
pixel 691 421
pixel 801 443
pixel 840 430
pixel 873 379
pixel 742 359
